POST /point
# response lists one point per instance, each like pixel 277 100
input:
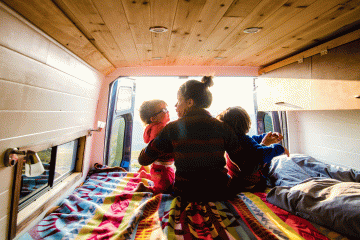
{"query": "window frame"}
pixel 45 196
pixel 27 200
pixel 279 124
pixel 113 114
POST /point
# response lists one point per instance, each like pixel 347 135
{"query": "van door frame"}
pixel 127 114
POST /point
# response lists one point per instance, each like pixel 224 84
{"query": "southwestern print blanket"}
pixel 106 207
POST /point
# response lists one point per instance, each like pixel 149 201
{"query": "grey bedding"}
pixel 327 202
pixel 322 193
pixel 290 171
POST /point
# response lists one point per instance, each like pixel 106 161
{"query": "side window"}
pixel 268 125
pixel 274 122
pixel 119 123
pixel 264 122
pixel 45 169
pixel 117 142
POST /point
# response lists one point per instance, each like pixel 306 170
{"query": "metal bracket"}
pixel 301 60
pixel 323 52
pixel 11 156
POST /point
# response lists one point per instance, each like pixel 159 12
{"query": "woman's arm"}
pixel 157 148
pixel 144 159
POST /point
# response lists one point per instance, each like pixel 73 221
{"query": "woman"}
pixel 198 142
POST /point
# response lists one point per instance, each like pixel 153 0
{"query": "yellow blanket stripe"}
pixel 97 219
pixel 173 222
pixel 150 220
pixel 286 229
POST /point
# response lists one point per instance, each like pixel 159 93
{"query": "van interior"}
pixel 71 75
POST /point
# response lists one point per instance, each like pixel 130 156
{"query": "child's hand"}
pixel 271 138
pixel 286 152
pixel 277 136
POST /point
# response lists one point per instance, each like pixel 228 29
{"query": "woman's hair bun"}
pixel 208 81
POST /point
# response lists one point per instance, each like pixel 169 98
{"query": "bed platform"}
pixel 106 207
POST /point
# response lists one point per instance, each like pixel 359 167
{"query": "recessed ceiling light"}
pixel 218 58
pixel 157 58
pixel 158 29
pixel 252 30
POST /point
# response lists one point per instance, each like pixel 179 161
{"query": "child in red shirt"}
pixel 154 114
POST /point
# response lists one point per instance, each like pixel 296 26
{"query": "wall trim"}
pixel 220 71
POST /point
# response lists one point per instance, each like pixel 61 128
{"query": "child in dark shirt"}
pixel 266 145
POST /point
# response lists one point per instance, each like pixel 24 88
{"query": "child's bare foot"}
pixel 142 188
pixel 144 174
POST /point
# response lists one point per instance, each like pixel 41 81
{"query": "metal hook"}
pixel 11 156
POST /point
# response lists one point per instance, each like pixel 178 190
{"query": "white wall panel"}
pixel 31 122
pixel 5 199
pixel 29 140
pixel 4 223
pixel 5 175
pixel 63 61
pixel 29 98
pixel 18 68
pixel 329 136
pixel 47 95
pixel 24 40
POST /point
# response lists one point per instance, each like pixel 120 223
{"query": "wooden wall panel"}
pixel 340 63
pixel 293 70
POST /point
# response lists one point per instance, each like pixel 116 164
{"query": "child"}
pixel 266 145
pixel 154 114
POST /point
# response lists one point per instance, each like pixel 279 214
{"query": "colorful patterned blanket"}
pixel 106 207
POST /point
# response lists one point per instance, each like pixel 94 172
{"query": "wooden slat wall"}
pixel 340 63
pixel 45 93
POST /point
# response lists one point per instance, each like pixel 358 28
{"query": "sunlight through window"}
pixel 227 92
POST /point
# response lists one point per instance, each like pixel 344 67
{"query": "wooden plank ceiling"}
pixel 110 34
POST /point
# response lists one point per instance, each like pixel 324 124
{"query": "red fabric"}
pixel 233 170
pixel 152 130
pixel 300 225
pixel 163 178
pixel 240 179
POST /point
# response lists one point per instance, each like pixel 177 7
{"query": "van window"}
pixel 117 142
pixel 58 163
pixel 268 125
pixel 65 159
pixel 274 122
